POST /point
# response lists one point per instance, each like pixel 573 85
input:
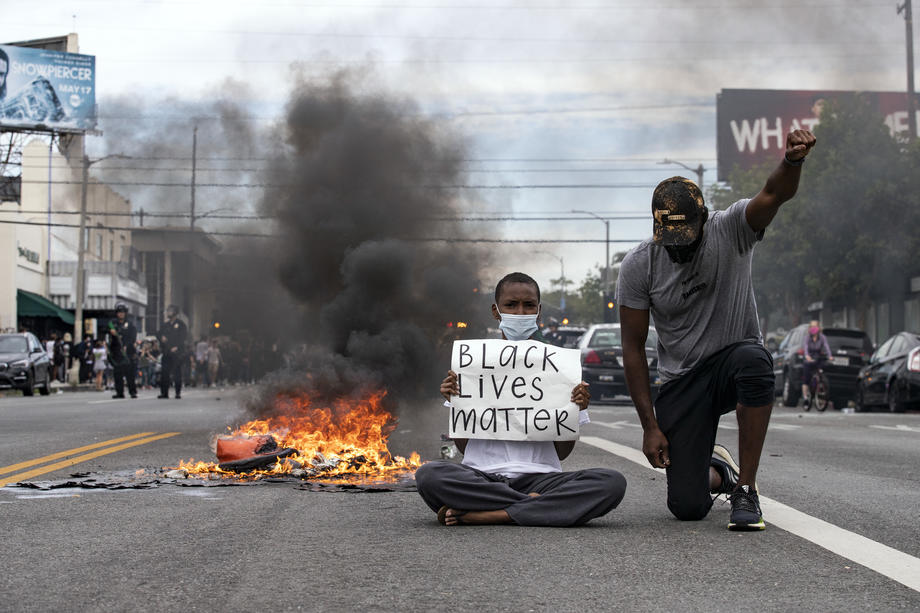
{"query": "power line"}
pixel 286 185
pixel 209 215
pixel 427 239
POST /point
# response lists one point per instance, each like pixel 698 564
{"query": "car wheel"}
pixel 860 400
pixel 790 392
pixel 894 397
pixel 45 389
pixel 28 390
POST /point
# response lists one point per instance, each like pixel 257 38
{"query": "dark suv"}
pixel 24 364
pixel 850 350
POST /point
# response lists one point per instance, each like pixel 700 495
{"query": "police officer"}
pixel 121 351
pixel 172 344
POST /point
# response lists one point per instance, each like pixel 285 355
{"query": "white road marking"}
pixel 898 428
pixel 894 564
pixel 731 426
pixel 616 425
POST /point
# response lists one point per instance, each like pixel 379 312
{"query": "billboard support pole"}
pixel 911 102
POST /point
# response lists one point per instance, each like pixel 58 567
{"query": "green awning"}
pixel 33 305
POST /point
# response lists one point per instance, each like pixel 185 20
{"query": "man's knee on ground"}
pixel 689 510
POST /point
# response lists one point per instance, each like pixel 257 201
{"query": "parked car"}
pixel 567 336
pixel 602 361
pixel 24 364
pixel 850 350
pixel 892 377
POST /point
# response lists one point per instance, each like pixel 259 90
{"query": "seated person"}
pixel 517 482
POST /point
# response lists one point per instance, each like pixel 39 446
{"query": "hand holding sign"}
pixel 507 390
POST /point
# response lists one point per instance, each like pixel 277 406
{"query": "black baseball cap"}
pixel 678 207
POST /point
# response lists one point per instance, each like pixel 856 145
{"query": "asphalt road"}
pixel 275 547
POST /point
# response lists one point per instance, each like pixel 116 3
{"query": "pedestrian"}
pixel 122 353
pixel 694 279
pixel 201 362
pixel 517 482
pixel 214 360
pixel 99 363
pixel 172 344
pixel 49 346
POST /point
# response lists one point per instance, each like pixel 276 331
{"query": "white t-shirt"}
pixel 515 458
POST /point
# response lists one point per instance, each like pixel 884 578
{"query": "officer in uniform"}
pixel 172 345
pixel 122 351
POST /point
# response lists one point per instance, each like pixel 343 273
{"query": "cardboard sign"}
pixel 514 391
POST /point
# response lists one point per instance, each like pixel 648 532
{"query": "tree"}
pixel 850 222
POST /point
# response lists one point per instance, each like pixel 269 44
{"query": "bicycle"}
pixel 819 391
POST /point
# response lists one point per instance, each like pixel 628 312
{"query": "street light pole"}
pixel 699 170
pixel 606 249
pixel 81 247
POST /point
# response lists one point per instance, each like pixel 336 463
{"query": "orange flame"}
pixel 349 437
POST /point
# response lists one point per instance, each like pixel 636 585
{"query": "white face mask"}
pixel 517 327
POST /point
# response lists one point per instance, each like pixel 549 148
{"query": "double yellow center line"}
pixel 104 448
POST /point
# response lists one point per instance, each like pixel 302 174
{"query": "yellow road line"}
pixel 64 454
pixel 82 458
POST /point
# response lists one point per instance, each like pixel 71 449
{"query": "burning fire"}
pixel 349 437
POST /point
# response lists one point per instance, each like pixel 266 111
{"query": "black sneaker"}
pixel 723 462
pixel 163 396
pixel 118 396
pixel 746 513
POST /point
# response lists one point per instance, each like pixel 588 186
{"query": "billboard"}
pixel 751 124
pixel 49 90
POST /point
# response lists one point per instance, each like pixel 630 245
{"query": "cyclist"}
pixel 816 351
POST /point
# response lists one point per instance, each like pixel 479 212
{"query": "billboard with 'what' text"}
pixel 752 123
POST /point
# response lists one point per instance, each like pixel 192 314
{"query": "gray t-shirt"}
pixel 700 307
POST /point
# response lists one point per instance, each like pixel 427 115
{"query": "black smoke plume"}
pixel 363 184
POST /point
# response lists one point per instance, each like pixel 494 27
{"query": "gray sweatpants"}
pixel 566 498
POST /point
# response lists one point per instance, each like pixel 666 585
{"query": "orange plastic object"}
pixel 229 449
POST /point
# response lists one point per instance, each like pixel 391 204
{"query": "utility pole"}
pixel 194 159
pixel 81 248
pixel 81 245
pixel 911 102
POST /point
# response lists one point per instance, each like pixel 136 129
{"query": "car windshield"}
pixel 852 341
pixel 12 344
pixel 610 337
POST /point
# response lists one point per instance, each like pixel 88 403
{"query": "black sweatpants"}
pixel 171 371
pixel 566 498
pixel 688 411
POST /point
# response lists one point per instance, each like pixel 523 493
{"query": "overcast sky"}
pixel 580 93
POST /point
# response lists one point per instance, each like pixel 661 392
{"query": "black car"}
pixel 892 378
pixel 566 336
pixel 850 350
pixel 602 362
pixel 24 364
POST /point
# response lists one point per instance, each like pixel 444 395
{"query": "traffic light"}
pixel 609 309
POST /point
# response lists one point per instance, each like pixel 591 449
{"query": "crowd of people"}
pixel 207 362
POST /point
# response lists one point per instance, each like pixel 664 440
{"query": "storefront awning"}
pixel 33 305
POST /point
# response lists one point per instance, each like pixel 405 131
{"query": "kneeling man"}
pixel 517 482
